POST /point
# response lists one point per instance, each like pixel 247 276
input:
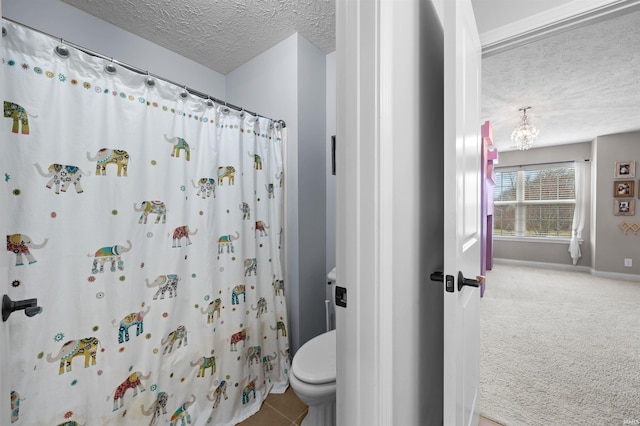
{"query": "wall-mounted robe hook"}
pixel 30 307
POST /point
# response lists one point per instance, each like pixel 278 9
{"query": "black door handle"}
pixel 439 276
pixel 462 281
pixel 30 307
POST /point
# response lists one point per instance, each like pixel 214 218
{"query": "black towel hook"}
pixel 30 307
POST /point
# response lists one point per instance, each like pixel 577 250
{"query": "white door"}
pixel 462 212
pixel 4 285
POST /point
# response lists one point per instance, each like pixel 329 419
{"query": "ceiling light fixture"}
pixel 525 133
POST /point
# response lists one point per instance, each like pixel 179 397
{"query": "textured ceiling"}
pixel 220 34
pixel 580 83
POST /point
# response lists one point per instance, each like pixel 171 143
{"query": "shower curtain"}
pixel 149 226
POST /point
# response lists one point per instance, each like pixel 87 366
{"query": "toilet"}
pixel 313 376
pixel 313 379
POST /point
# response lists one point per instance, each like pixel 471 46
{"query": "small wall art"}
pixel 623 188
pixel 625 169
pixel 624 207
pixel 629 227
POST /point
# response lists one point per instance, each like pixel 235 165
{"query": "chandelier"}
pixel 525 133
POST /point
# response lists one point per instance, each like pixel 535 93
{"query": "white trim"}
pixel 358 340
pixel 551 240
pixel 557 19
pixel 386 39
pixel 568 267
pixel 534 202
pixel 616 275
pixel 542 265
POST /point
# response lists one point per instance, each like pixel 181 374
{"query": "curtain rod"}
pixel 139 70
pixel 551 163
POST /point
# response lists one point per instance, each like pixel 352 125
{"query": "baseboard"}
pixel 616 275
pixel 564 267
pixel 543 265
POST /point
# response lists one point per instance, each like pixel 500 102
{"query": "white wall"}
pixel 312 211
pixel 60 20
pixel 288 82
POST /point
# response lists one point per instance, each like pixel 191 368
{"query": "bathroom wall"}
pixel 61 20
pixel 312 208
pixel 288 82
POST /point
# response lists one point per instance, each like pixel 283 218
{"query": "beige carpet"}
pixel 559 348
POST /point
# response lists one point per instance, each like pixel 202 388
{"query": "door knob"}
pixel 30 307
pixel 462 281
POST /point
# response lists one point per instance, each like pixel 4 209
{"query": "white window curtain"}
pixel 149 227
pixel 579 212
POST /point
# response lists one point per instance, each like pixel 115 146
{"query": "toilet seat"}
pixel 315 361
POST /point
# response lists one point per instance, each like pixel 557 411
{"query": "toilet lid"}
pixel 315 361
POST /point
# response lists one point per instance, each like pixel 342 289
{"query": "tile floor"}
pixel 279 410
pixel 487 422
pixel 287 410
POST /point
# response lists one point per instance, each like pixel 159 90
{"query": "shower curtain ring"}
pixel 4 31
pixel 110 68
pixel 184 93
pixel 62 50
pixel 210 103
pixel 149 81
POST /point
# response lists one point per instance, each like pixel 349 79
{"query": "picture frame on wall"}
pixel 623 188
pixel 625 169
pixel 624 207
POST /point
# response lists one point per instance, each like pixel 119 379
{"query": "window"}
pixel 534 201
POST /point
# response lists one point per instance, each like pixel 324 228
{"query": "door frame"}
pixel 390 134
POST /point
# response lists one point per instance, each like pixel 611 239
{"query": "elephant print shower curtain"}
pixel 149 227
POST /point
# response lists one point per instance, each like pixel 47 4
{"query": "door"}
pixel 462 213
pixel 4 286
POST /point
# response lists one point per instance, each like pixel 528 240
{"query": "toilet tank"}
pixel 331 276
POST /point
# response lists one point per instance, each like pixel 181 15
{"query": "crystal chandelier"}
pixel 525 133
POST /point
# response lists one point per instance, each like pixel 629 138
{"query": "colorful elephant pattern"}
pixel 230 311
pixel 19 115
